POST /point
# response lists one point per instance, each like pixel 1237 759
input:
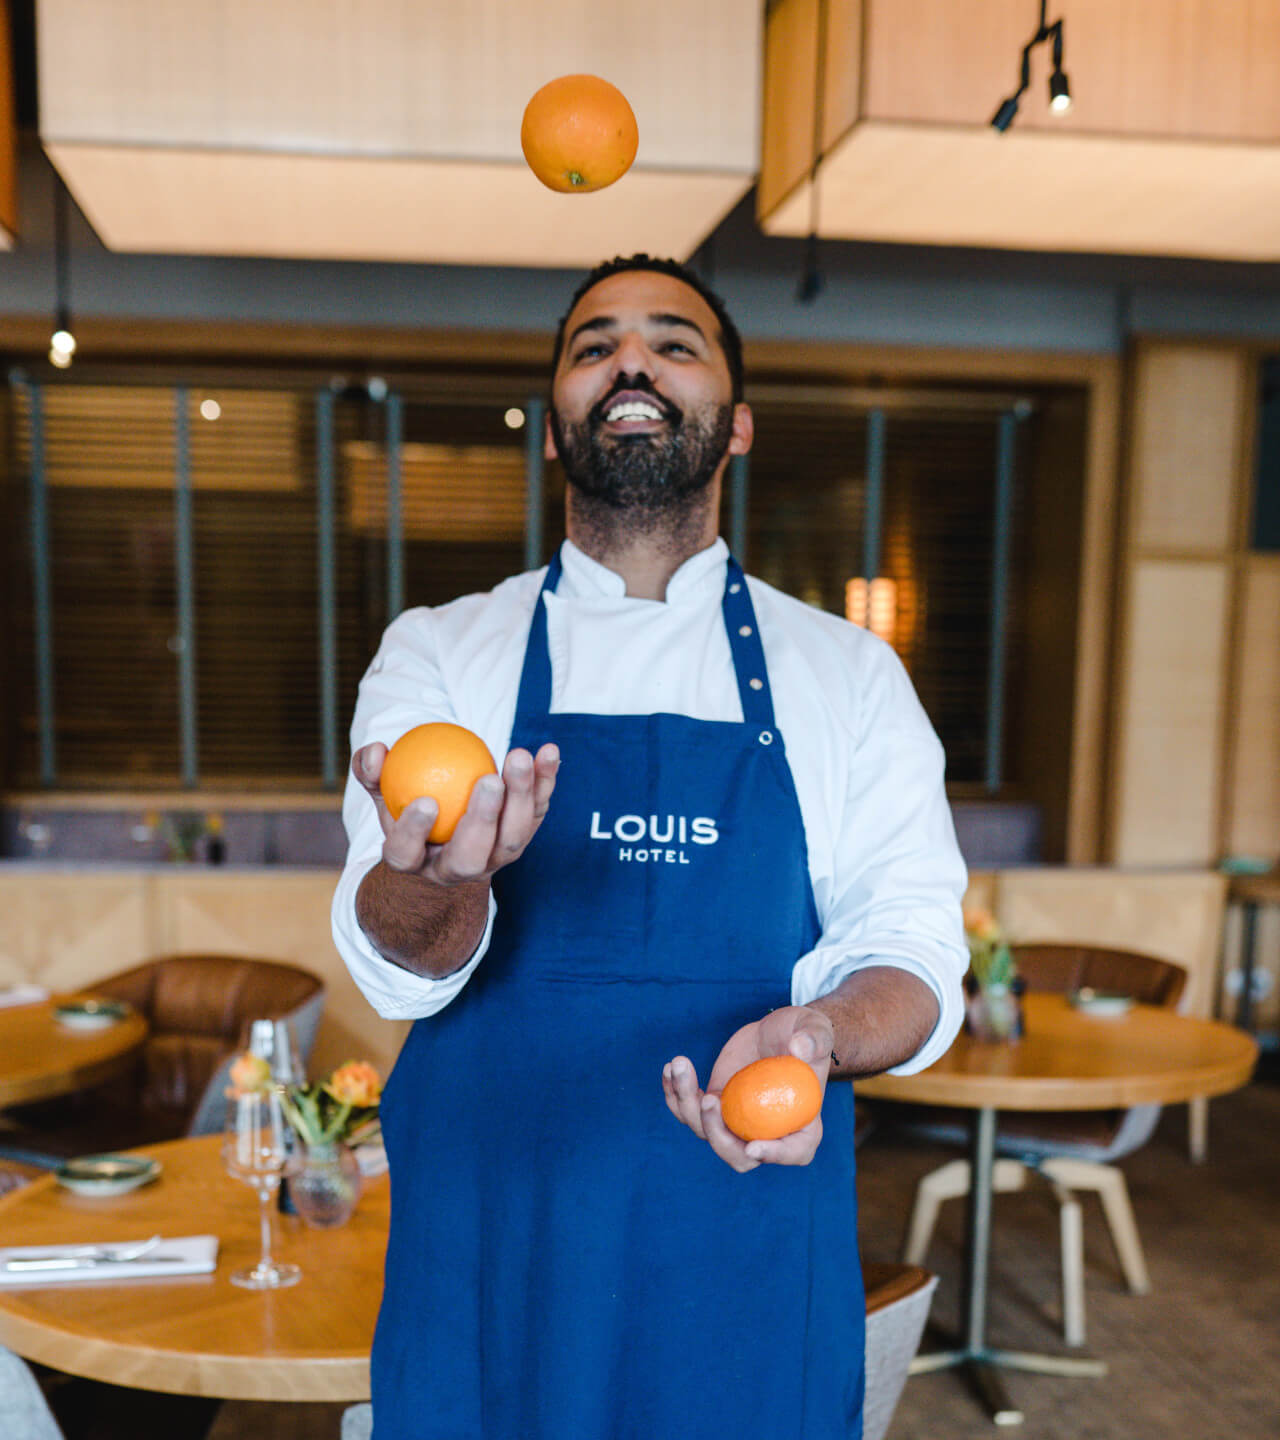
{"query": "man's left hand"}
pixel 794 1030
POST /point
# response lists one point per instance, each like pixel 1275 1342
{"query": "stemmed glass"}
pixel 255 1149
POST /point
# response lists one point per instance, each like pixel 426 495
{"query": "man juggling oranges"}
pixel 713 868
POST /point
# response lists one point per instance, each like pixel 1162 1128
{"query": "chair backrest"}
pixel 24 1412
pixel 898 1300
pixel 197 1007
pixel 1061 968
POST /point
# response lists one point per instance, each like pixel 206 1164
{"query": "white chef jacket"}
pixel 886 871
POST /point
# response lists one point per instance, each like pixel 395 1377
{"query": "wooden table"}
pixel 201 1335
pixel 39 1057
pixel 1067 1060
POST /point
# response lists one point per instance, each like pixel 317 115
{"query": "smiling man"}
pixel 746 852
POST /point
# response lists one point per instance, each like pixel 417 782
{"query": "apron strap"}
pixel 748 653
pixel 534 698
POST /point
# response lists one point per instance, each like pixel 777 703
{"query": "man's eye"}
pixel 677 347
pixel 589 352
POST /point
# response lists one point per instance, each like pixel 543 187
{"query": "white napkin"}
pixel 182 1255
pixel 23 993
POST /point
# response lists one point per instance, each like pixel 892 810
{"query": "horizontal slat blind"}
pixel 109 473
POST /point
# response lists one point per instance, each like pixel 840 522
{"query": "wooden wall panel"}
pixel 63 927
pixel 277 915
pixel 1253 821
pixel 1168 756
pixel 1189 404
pixel 1173 914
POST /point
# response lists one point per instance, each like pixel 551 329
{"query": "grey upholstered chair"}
pixel 24 1413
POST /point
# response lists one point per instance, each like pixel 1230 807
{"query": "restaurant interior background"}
pixel 1016 378
pixel 1018 405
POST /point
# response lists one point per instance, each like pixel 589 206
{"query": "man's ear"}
pixel 549 451
pixel 744 429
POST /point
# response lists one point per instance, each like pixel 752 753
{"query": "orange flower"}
pixel 249 1073
pixel 980 923
pixel 356 1083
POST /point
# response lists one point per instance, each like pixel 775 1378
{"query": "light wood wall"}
pixel 1195 756
pixel 66 928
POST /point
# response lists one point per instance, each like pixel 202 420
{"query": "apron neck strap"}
pixel 534 700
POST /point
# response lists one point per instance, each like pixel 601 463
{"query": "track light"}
pixel 1059 88
pixel 1059 92
pixel 62 343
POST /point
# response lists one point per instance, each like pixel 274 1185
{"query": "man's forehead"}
pixel 643 293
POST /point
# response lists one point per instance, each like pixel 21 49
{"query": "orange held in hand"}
pixel 579 134
pixel 771 1098
pixel 440 760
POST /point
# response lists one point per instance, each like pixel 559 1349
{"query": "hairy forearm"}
pixel 419 925
pixel 881 1017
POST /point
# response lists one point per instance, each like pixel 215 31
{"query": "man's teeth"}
pixel 633 410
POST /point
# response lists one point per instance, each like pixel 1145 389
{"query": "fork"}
pixel 85 1254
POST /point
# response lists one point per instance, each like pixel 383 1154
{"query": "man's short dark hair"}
pixel 730 340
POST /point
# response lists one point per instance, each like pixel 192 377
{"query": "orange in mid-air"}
pixel 771 1098
pixel 579 134
pixel 440 760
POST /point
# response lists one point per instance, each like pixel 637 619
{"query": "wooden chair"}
pixel 197 1007
pixel 898 1300
pixel 1073 1151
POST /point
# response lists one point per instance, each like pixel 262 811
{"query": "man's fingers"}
pixel 546 766
pixel 796 1149
pixel 680 1086
pixel 366 766
pixel 516 827
pixel 465 856
pixel 722 1140
pixel 405 846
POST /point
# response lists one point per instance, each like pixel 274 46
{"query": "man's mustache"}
pixel 637 385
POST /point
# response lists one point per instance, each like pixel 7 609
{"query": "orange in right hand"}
pixel 579 134
pixel 440 760
pixel 771 1098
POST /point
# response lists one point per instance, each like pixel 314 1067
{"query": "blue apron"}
pixel 566 1260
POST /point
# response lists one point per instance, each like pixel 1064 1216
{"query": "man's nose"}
pixel 633 357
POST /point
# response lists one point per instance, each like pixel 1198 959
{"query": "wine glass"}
pixel 274 1041
pixel 255 1149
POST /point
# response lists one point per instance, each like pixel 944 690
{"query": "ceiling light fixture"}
pixel 1059 86
pixel 812 281
pixel 62 343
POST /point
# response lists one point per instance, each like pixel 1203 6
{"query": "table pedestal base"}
pixel 981 1369
pixel 980 1361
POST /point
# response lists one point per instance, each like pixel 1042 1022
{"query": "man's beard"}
pixel 651 476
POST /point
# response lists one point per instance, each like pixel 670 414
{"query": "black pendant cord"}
pixel 812 281
pixel 61 256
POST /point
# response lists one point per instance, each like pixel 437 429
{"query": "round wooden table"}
pixel 39 1057
pixel 199 1334
pixel 1067 1060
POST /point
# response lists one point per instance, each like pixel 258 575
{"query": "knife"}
pixel 74 1262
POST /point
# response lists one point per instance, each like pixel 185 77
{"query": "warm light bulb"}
pixel 210 409
pixel 1059 93
pixel 514 418
pixel 63 341
pixel 60 358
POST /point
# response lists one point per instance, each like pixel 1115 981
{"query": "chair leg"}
pixel 1071 1228
pixel 948 1182
pixel 1114 1194
pixel 1198 1129
pixel 944 1183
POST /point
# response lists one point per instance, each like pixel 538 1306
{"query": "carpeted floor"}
pixel 1197 1359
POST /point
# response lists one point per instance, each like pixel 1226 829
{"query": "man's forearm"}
pixel 881 1017
pixel 427 928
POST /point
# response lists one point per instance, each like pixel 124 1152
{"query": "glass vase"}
pixel 324 1183
pixel 994 1012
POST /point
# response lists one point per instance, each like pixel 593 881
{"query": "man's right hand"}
pixel 502 817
